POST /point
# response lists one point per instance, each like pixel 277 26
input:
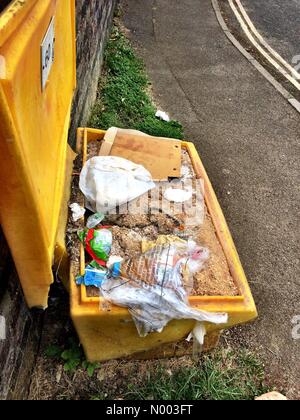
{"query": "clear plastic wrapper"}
pixel 155 286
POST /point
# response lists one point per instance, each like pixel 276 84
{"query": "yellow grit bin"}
pixel 37 81
pixel 112 334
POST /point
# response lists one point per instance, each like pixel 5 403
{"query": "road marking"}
pixel 264 42
pixel 2 328
pixel 295 103
pixel 278 67
pixel 259 67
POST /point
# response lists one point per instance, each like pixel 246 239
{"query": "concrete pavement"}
pixel 248 138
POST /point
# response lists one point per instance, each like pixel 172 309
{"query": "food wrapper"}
pixel 98 243
pixel 152 286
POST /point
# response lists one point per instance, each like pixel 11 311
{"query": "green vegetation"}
pixel 224 374
pixel 218 376
pixel 72 358
pixel 124 100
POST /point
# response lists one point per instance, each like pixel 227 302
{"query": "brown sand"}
pixel 129 230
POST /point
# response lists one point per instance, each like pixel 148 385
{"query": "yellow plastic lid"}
pixel 37 80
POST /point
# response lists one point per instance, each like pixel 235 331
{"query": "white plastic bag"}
pixel 162 116
pixel 178 195
pixel 109 181
pixel 77 212
pixel 154 286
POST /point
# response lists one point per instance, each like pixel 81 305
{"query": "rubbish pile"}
pixel 145 261
pixel 154 286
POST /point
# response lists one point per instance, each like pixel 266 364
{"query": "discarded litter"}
pixel 162 116
pixel 161 240
pixel 108 182
pixel 186 172
pixel 198 334
pixel 154 286
pixel 95 275
pixel 94 220
pixel 77 212
pixel 92 277
pixel 177 195
pixel 114 260
pixel 97 243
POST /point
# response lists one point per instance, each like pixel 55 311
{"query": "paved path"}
pixel 248 138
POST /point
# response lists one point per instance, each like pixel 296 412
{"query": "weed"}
pixel 72 358
pixel 123 99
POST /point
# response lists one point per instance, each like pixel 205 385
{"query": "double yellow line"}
pixel 281 65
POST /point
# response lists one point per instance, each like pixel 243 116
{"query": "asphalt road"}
pixel 248 138
pixel 279 23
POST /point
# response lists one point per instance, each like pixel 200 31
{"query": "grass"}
pixel 224 374
pixel 123 98
pixel 219 376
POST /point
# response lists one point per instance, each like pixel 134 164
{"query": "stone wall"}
pixel 94 18
pixel 3 4
pixel 20 331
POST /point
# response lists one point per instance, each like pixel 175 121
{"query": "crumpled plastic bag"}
pixel 97 242
pixel 92 277
pixel 109 181
pixel 77 212
pixel 94 220
pixel 154 286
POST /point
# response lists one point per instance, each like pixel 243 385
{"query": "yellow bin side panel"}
pixel 110 335
pixel 34 127
pixel 61 257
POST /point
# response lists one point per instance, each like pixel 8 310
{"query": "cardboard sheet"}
pixel 161 156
